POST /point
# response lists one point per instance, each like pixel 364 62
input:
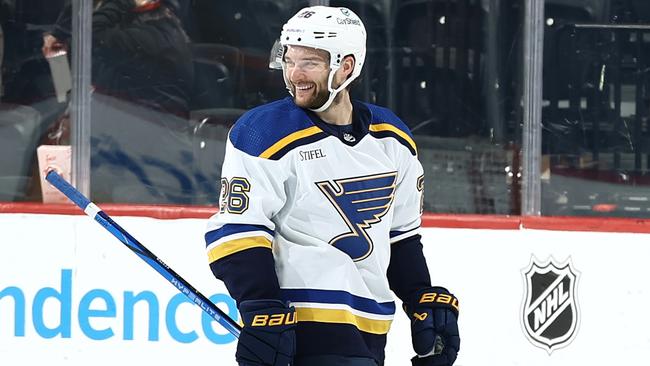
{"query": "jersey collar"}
pixel 348 134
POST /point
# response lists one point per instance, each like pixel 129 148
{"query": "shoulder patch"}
pixel 385 124
pixel 272 130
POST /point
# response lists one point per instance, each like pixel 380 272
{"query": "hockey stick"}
pixel 122 235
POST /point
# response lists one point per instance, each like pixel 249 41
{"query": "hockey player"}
pixel 319 214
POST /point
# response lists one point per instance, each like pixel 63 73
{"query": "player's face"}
pixel 307 70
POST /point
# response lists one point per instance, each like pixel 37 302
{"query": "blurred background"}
pixel 168 78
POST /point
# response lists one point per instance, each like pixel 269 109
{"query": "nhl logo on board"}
pixel 550 314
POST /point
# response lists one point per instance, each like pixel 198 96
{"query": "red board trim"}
pixel 492 222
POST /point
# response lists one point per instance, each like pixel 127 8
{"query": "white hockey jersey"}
pixel 328 207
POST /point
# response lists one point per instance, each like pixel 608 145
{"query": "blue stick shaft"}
pixel 122 235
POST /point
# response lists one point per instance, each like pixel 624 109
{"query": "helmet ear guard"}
pixel 338 31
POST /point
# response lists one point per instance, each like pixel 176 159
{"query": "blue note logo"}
pixel 361 202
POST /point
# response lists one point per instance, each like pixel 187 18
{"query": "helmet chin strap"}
pixel 333 92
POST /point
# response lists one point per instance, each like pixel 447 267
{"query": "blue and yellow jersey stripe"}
pixel 384 123
pixel 293 140
pixel 233 238
pixel 272 130
pixel 340 307
pixel 381 130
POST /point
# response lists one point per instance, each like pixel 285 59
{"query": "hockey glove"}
pixel 434 329
pixel 268 337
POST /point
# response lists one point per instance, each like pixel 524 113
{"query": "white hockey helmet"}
pixel 339 31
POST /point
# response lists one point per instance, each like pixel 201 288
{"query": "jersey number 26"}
pixel 234 197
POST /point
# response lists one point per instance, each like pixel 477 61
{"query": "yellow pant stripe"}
pixel 343 316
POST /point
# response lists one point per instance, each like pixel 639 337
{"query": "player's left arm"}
pixel 433 311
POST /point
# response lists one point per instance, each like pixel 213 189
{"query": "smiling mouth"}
pixel 304 88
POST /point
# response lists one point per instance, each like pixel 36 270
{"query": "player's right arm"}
pixel 239 241
pixel 239 237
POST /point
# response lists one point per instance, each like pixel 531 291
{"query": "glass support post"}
pixel 81 89
pixel 531 196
